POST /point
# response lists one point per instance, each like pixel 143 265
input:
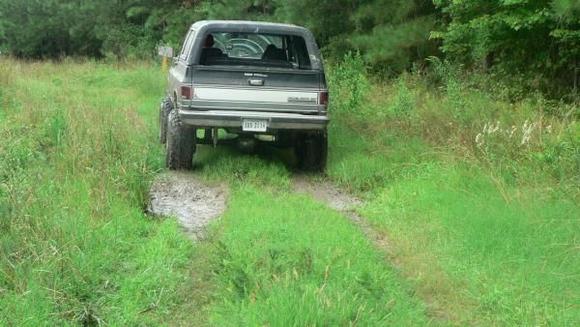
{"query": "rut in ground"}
pixel 184 196
pixel 326 192
pixel 339 200
pixel 195 203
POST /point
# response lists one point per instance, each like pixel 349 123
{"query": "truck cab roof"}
pixel 249 26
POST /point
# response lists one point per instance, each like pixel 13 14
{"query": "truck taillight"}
pixel 323 98
pixel 186 92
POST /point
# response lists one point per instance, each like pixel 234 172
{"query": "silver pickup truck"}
pixel 253 80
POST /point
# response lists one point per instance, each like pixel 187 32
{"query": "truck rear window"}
pixel 254 49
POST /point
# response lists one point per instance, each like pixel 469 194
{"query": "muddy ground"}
pixel 184 196
pixel 195 204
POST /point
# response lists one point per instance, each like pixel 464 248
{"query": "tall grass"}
pixel 77 153
pixel 281 259
pixel 446 113
pixel 478 194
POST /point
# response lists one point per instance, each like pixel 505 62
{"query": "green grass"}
pixel 481 218
pixel 76 248
pixel 287 261
pixel 281 259
pixel 483 221
pixel 514 261
pixel 78 151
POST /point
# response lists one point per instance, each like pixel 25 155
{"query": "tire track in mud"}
pixel 186 197
pixel 332 196
pixel 195 203
pixel 326 192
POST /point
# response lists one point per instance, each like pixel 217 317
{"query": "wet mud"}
pixel 186 197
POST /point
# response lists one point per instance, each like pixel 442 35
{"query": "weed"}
pixel 349 84
pixel 285 260
pixel 76 160
pixel 478 195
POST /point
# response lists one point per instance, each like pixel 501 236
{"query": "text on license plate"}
pixel 254 125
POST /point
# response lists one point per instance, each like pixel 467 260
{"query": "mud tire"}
pixel 311 151
pixel 180 146
pixel 164 110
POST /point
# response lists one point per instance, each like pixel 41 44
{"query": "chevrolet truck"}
pixel 252 80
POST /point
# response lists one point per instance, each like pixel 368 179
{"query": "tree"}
pixel 538 37
pixel 394 34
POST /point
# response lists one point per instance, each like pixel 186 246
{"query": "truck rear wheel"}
pixel 164 110
pixel 180 146
pixel 311 150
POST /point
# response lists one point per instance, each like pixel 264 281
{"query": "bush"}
pixel 349 86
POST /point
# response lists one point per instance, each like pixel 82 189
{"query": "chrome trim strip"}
pixel 230 118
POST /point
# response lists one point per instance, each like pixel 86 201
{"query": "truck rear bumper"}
pixel 234 119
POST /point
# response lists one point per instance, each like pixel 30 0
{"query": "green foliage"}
pixel 242 9
pixel 33 28
pixel 121 29
pixel 349 85
pixel 394 34
pixel 329 20
pixel 133 28
pixel 539 39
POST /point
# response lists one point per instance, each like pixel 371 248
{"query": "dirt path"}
pixel 339 200
pixel 184 196
pixel 195 204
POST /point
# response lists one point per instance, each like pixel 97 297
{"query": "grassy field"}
pixel 77 153
pixel 478 197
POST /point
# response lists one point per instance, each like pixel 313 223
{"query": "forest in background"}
pixel 535 43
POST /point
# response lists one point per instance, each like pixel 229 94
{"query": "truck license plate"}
pixel 254 125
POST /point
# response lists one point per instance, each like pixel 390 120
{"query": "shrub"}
pixel 349 85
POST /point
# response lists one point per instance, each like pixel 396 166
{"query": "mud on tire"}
pixel 180 146
pixel 311 150
pixel 164 110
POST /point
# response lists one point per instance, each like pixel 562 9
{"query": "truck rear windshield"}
pixel 254 49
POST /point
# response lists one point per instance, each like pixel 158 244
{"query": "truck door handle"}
pixel 256 82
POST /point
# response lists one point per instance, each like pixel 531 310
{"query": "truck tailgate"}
pixel 256 89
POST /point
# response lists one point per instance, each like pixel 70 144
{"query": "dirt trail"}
pixel 339 200
pixel 184 196
pixel 195 204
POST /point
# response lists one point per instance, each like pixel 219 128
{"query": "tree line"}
pixel 538 39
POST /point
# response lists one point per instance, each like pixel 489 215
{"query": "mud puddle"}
pixel 184 196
